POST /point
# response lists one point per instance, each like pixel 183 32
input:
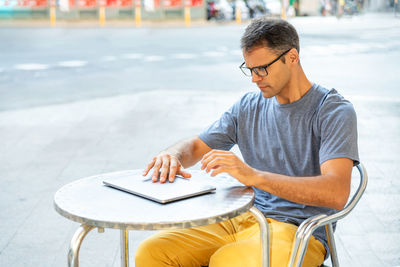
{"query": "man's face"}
pixel 278 73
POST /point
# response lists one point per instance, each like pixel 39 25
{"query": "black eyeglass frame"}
pixel 242 67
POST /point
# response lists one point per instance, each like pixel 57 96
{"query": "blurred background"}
pixel 158 10
pixel 89 87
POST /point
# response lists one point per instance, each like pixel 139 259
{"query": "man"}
pixel 299 144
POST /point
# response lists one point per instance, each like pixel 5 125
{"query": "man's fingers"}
pixel 217 171
pixel 207 158
pixel 149 166
pixel 164 169
pixel 184 173
pixel 216 162
pixel 156 169
pixel 173 168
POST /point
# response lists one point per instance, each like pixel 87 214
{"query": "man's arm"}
pixel 174 159
pixel 330 189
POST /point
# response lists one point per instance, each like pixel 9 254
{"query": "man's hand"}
pixel 165 165
pixel 225 161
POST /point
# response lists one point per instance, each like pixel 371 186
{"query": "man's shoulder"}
pixel 334 98
pixel 336 104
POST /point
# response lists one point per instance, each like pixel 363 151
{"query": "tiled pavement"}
pixel 47 147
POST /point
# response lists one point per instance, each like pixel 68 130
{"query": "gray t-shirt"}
pixel 290 139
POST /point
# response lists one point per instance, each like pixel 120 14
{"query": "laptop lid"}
pixel 168 192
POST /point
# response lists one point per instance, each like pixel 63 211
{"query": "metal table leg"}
pixel 264 231
pixel 124 248
pixel 75 245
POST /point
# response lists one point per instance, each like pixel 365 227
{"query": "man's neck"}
pixel 296 88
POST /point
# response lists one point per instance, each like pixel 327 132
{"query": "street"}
pixel 41 66
pixel 76 102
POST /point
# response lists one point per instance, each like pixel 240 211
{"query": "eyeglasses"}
pixel 260 70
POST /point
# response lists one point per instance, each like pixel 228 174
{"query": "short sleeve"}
pixel 222 134
pixel 338 129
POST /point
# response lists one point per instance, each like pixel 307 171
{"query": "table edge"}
pixel 153 226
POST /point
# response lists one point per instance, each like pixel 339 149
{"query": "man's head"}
pixel 270 50
pixel 276 34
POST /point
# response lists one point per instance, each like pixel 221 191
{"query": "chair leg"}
pixel 296 244
pixel 332 245
pixel 75 245
pixel 305 237
pixel 264 232
pixel 299 242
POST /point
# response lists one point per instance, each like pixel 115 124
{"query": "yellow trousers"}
pixel 231 243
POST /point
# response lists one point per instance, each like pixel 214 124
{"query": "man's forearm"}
pixel 330 189
pixel 323 190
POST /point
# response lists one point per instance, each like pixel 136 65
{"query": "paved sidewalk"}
pixel 47 147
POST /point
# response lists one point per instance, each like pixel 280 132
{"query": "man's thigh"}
pixel 184 247
pixel 231 243
pixel 246 251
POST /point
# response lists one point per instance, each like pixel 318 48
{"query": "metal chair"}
pixel 306 229
pixel 308 226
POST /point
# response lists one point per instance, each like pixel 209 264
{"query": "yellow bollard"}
pixel 53 14
pixel 238 14
pixel 187 16
pixel 340 10
pixel 283 10
pixel 102 16
pixel 138 16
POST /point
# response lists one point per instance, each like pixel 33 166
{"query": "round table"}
pixel 92 204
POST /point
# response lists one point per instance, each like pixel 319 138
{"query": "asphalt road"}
pixel 42 66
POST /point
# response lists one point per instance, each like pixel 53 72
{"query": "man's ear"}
pixel 293 56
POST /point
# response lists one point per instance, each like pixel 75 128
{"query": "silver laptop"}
pixel 168 192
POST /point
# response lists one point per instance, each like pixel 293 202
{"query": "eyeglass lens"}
pixel 260 71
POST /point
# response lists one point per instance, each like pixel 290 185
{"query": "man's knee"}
pixel 143 254
pixel 234 255
pixel 148 253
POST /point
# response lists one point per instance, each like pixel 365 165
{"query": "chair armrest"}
pixel 322 219
pixel 307 227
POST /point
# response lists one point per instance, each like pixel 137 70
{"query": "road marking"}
pixel 72 63
pixel 372 98
pixel 132 56
pixel 154 58
pixel 222 48
pixel 31 66
pixel 213 54
pixel 359 47
pixel 184 56
pixel 316 49
pixel 108 58
pixel 236 52
pixel 343 49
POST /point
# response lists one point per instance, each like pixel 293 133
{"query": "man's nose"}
pixel 255 77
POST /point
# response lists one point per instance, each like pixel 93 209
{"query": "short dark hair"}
pixel 275 34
